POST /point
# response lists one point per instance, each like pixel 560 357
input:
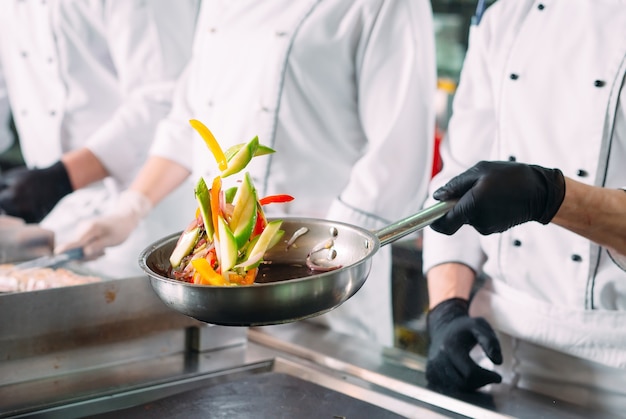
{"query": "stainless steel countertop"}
pixel 396 369
pixel 106 347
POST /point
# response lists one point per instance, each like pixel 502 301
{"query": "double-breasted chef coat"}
pixel 343 91
pixel 543 83
pixel 95 74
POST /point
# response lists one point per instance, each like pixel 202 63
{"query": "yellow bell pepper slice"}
pixel 246 279
pixel 211 143
pixel 208 276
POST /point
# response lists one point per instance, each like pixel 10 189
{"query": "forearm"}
pixel 158 177
pixel 449 280
pixel 599 214
pixel 83 167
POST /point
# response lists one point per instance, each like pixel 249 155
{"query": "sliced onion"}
pixel 314 265
pixel 322 246
pixel 299 232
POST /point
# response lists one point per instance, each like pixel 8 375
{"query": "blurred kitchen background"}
pixel 452 19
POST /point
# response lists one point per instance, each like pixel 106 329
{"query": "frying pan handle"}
pixel 414 222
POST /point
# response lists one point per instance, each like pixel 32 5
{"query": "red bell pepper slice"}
pixel 272 199
pixel 261 222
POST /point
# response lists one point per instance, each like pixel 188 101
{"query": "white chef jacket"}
pixel 95 74
pixel 343 91
pixel 543 83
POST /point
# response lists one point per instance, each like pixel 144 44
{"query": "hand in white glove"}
pixel 112 229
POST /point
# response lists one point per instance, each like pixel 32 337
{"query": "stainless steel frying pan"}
pixel 285 290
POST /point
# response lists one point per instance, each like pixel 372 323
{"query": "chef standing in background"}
pixel 342 90
pixel 87 82
pixel 542 95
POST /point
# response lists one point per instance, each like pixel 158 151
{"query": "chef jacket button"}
pixel 514 76
pixel 53 112
pixel 599 83
pixel 281 33
pixel 512 158
pixel 541 6
pixel 576 258
pixel 210 103
pixel 212 30
pixel 24 112
pixel 24 54
pixel 581 173
pixel 517 243
pixel 50 60
pixel 265 109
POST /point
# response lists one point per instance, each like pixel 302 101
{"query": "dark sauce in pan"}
pixel 268 272
pixel 276 272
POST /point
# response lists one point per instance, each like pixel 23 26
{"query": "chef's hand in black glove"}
pixel 453 334
pixel 495 196
pixel 32 193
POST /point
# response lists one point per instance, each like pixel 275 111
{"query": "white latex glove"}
pixel 112 229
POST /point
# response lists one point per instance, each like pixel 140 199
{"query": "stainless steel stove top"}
pixel 114 350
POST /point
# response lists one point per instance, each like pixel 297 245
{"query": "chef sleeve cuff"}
pixel 462 247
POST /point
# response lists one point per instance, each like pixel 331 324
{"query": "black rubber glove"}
pixel 32 193
pixel 453 334
pixel 495 196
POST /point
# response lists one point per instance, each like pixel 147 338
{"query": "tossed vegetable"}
pixel 211 143
pixel 226 242
pixel 271 199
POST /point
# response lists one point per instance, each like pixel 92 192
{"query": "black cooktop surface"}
pixel 263 395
